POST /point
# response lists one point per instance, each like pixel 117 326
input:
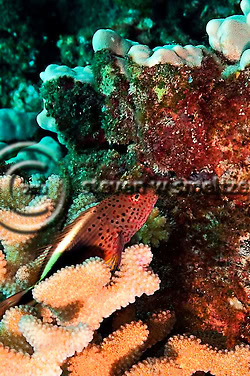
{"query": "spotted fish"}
pixel 101 230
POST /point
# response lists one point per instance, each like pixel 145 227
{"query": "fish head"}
pixel 144 200
pixel 115 220
pixel 134 210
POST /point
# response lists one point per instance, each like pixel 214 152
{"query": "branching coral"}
pixel 51 344
pixel 3 270
pixel 91 294
pixel 19 197
pixel 114 354
pixel 97 295
pixel 183 355
pixel 155 367
pixel 122 348
pixel 24 226
pixel 191 355
pixel 186 355
pixel 30 347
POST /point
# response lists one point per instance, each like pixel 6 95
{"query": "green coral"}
pixel 17 46
pixel 154 230
pixel 106 72
pixel 82 202
pixel 88 170
pixel 76 50
pixel 76 108
pixel 119 114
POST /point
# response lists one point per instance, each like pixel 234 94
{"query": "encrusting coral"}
pixel 15 125
pixel 174 109
pixel 47 152
pixel 231 35
pixel 173 113
pixel 68 94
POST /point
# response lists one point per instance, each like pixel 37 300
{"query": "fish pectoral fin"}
pixel 114 259
pixel 120 246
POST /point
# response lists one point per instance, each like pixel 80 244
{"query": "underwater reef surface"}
pixel 132 95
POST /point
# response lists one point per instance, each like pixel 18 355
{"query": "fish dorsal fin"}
pixel 50 254
pixel 83 217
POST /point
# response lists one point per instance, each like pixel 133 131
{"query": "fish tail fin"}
pixel 11 301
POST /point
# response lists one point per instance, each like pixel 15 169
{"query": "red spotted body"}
pixel 101 230
pixel 115 220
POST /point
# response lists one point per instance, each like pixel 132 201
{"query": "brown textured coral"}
pixel 179 117
pixel 205 266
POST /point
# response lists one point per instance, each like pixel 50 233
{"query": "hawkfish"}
pixel 102 230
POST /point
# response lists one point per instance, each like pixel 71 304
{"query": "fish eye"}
pixel 135 197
